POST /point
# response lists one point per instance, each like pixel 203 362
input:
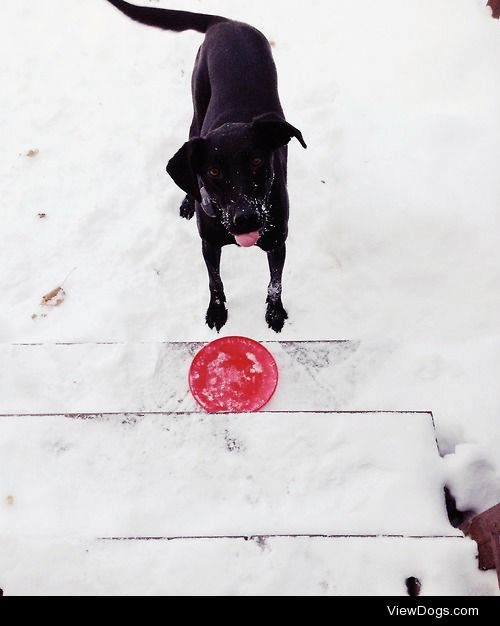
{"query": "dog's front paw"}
pixel 216 315
pixel 187 208
pixel 276 316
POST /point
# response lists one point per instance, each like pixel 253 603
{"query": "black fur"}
pixel 177 21
pixel 237 148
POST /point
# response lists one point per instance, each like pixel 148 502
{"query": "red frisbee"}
pixel 233 375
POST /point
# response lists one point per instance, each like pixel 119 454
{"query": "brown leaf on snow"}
pixel 32 152
pixel 54 297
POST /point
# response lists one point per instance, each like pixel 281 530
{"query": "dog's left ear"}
pixel 275 132
pixel 183 166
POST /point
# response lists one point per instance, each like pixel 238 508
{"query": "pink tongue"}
pixel 248 240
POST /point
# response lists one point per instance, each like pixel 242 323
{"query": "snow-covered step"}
pixel 277 566
pixel 222 475
pixel 113 378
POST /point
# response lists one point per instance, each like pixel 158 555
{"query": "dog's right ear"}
pixel 183 167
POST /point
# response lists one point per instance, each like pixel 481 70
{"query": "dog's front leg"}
pixel 276 314
pixel 217 312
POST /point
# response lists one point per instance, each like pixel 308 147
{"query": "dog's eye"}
pixel 257 162
pixel 214 172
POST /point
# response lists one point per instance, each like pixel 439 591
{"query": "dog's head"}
pixel 235 166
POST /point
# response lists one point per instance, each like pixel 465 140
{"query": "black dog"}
pixel 234 166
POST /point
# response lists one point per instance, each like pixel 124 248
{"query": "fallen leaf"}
pixel 9 500
pixel 32 153
pixel 52 299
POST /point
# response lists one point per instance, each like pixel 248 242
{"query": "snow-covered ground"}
pixel 395 221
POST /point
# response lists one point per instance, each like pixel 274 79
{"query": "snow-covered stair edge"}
pixel 148 377
pixel 260 566
pixel 223 475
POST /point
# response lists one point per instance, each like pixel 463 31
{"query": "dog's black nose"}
pixel 246 221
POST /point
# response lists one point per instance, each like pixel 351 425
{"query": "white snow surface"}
pixel 281 566
pixel 223 475
pixel 395 221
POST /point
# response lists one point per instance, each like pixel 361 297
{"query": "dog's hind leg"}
pixel 217 312
pixel 276 314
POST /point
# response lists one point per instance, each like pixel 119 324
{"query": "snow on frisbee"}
pixel 233 375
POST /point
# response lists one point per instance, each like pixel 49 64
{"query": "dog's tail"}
pixel 177 21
